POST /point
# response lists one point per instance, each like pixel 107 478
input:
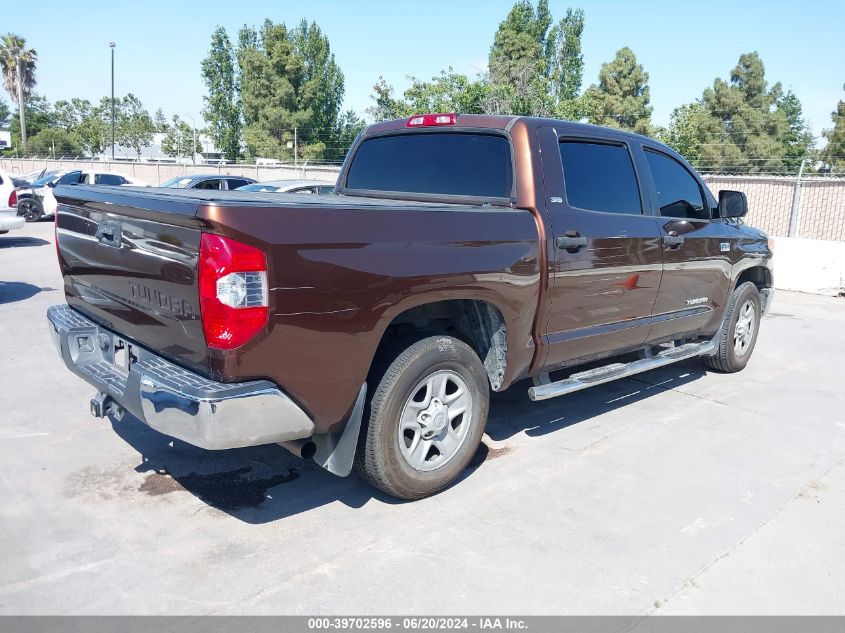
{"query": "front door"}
pixel 697 251
pixel 605 249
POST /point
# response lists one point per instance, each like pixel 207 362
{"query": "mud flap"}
pixel 336 451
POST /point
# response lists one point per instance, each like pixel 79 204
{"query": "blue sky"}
pixel 683 45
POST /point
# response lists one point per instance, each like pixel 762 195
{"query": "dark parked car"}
pixel 207 181
pixel 461 255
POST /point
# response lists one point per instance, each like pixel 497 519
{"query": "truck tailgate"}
pixel 130 263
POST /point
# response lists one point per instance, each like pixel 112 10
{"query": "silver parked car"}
pixel 320 187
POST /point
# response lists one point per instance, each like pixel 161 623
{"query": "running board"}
pixel 600 375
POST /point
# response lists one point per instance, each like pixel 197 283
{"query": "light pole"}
pixel 194 146
pixel 111 46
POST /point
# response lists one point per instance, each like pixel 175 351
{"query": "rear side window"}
pixel 109 179
pixel 234 183
pixel 452 163
pixel 600 177
pixel 209 184
pixel 678 193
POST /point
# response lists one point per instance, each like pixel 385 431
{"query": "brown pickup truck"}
pixel 463 253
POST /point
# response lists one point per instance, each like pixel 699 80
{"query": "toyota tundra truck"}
pixel 462 254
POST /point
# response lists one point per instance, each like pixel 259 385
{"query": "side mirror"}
pixel 51 185
pixel 732 204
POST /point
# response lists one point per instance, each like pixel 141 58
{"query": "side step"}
pixel 600 375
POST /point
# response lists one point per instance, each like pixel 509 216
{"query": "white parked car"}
pixel 8 200
pixel 38 200
pixel 319 187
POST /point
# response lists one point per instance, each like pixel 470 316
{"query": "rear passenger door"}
pixel 605 251
pixel 697 251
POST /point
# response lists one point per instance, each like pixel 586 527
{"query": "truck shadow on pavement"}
pixel 11 291
pixel 18 242
pixel 266 483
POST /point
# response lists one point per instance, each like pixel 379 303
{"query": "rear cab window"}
pixel 600 176
pixel 454 163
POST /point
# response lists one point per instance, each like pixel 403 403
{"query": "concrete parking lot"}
pixel 682 491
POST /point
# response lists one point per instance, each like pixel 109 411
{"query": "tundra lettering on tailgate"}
pixel 160 299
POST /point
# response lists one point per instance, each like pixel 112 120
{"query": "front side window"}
pixel 600 177
pixel 678 193
pixel 446 163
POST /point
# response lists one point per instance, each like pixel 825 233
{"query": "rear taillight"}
pixel 233 291
pixel 13 199
pixel 424 120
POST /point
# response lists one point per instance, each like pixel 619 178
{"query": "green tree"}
pixel 289 80
pixel 180 140
pixel 69 115
pixel 798 140
pixel 833 153
pixel 519 63
pixel 5 113
pixel 38 114
pixel 621 98
pixel 744 131
pixel 222 109
pixel 567 63
pixel 135 127
pixel 448 92
pixel 18 65
pixel 55 142
pixel 160 121
pixel 386 106
pixel 684 131
pixel 349 126
pixel 533 69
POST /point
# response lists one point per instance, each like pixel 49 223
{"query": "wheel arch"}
pixel 478 322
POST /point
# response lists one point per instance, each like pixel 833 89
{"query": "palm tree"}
pixel 18 65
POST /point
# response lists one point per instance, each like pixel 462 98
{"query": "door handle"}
pixel 571 241
pixel 673 240
pixel 109 233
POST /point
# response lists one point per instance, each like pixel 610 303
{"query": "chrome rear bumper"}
pixel 171 399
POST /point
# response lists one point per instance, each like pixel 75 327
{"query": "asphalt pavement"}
pixel 680 491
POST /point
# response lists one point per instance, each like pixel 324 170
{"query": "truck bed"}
pixel 340 269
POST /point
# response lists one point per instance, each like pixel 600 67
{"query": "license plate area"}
pixel 122 355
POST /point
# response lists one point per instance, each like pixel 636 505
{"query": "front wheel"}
pixel 738 335
pixel 427 416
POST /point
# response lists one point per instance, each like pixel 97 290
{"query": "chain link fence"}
pixel 812 207
pixel 154 173
pixel 784 206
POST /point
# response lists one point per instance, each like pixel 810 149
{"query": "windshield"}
pixel 257 187
pixel 47 178
pixel 179 182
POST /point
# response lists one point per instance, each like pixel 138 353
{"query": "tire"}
pixel 30 210
pixel 395 451
pixel 738 336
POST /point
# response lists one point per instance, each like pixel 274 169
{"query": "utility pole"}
pixel 194 146
pixel 111 46
pixel 295 158
pixel 21 104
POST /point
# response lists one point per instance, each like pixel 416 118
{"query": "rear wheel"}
pixel 30 210
pixel 427 416
pixel 739 334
